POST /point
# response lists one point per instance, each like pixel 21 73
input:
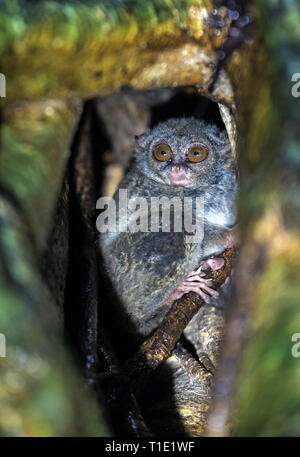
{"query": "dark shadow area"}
pixel 187 104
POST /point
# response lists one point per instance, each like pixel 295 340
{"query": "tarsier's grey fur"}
pixel 145 268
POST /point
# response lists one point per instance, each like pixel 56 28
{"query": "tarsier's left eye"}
pixel 197 153
pixel 162 152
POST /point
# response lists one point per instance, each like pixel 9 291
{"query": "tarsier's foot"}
pixel 195 282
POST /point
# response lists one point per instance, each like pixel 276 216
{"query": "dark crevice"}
pixel 187 103
pixel 188 345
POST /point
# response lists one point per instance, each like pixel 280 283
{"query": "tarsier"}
pixel 149 270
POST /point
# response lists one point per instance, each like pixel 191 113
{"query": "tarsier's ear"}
pixel 140 139
pixel 226 154
pixel 226 150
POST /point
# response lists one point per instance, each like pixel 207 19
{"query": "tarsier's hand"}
pixel 195 282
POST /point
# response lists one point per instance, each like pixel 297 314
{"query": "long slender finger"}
pixel 198 278
pixel 211 291
pixel 204 286
pixel 195 272
pixel 204 296
pixel 199 291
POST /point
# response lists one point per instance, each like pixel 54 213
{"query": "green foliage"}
pixel 268 394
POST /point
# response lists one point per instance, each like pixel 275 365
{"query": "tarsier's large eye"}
pixel 162 152
pixel 197 153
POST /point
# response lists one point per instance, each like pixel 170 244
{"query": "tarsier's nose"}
pixel 177 169
pixel 178 176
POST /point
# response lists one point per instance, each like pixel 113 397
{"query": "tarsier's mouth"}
pixel 179 177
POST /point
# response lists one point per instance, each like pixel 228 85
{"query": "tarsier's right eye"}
pixel 197 153
pixel 162 152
